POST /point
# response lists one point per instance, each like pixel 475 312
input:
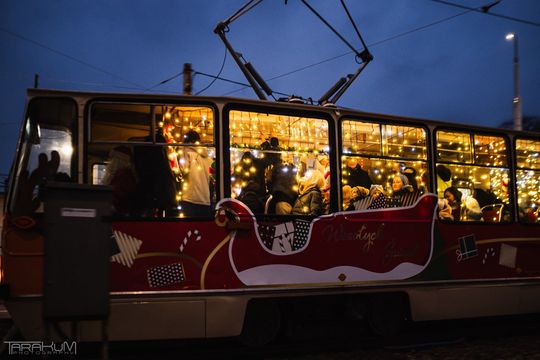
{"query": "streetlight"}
pixel 517 100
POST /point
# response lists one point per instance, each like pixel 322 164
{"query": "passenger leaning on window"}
pixel 402 192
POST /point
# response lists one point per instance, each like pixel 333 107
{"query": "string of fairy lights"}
pixel 382 150
pixel 528 174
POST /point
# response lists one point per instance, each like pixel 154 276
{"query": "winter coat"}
pixel 198 176
pixel 357 177
pixel 309 203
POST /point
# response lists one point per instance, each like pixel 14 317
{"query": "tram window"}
pixel 528 154
pixel 404 142
pixel 46 150
pixel 454 147
pixel 388 140
pixel 167 172
pixel 120 122
pixel 528 180
pixel 490 151
pixel 477 191
pixel 361 137
pixel 373 154
pixel 277 161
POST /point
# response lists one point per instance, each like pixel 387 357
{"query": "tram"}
pixel 230 215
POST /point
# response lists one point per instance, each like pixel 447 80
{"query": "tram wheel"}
pixel 387 314
pixel 261 323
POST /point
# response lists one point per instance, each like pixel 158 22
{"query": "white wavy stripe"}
pixel 279 274
pixel 360 274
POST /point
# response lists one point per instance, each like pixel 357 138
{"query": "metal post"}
pixel 517 99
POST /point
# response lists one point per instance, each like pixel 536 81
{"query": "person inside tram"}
pixel 355 198
pixel 282 188
pixel 463 207
pixel 196 195
pixel 250 195
pixel 471 210
pixel 324 167
pixel 256 173
pixel 120 175
pixel 528 213
pixel 444 179
pixel 410 173
pixel 28 200
pixel 309 201
pixel 445 210
pixel 250 171
pixel 403 194
pixel 356 176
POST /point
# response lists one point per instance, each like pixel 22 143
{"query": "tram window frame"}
pixel 284 110
pixel 383 152
pixel 209 107
pixel 518 168
pixel 25 149
pixel 510 204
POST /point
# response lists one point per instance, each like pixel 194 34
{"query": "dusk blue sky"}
pixel 459 70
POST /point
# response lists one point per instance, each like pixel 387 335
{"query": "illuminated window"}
pixel 386 140
pixel 474 180
pixel 361 138
pixel 454 147
pixel 528 154
pixel 404 142
pixel 274 155
pixel 490 150
pixel 47 151
pixel 528 180
pixel 374 153
pixel 164 152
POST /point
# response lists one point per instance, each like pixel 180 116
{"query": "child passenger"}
pixel 309 201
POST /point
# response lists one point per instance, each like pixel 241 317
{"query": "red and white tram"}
pixel 215 236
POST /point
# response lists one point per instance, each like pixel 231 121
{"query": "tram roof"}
pixel 267 104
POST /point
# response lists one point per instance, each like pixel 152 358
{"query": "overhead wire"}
pixel 164 81
pixel 244 9
pixel 331 27
pixel 408 32
pixel 105 85
pixel 72 58
pixel 485 10
pixel 233 82
pixel 219 73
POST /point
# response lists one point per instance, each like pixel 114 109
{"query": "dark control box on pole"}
pixel 77 251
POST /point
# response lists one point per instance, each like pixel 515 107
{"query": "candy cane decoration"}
pixel 189 236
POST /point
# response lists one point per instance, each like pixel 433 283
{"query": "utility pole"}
pixel 36 81
pixel 188 82
pixel 516 101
